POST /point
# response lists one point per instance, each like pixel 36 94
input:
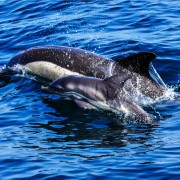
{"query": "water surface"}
pixel 43 137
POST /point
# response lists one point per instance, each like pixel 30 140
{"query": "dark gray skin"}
pixel 109 91
pixel 90 64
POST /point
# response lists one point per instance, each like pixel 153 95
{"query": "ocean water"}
pixel 42 137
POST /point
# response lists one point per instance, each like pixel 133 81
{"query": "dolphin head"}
pixel 54 87
pixel 64 84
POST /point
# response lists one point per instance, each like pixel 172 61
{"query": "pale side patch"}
pixel 48 70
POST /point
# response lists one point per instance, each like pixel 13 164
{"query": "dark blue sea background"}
pixel 42 137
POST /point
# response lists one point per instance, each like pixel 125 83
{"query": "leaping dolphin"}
pixel 53 62
pixel 90 92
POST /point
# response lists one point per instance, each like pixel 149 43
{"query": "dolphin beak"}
pixel 47 89
pixel 52 89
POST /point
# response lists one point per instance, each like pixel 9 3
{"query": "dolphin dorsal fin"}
pixel 118 80
pixel 138 62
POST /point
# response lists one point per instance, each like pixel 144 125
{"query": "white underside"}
pixel 47 70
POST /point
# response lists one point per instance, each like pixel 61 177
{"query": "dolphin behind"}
pixel 53 62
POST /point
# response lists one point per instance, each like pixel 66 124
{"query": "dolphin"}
pixel 53 62
pixel 90 92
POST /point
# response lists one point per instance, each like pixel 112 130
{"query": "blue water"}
pixel 42 137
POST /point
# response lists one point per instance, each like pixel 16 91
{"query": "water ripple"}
pixel 45 137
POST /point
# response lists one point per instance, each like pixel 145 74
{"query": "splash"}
pixel 136 95
pixel 170 93
pixel 19 69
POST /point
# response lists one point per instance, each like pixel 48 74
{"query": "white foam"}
pixel 169 94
